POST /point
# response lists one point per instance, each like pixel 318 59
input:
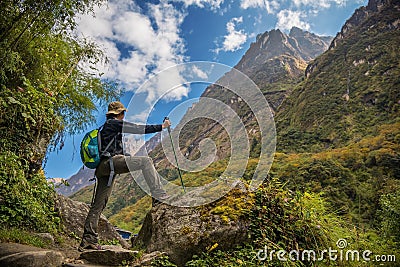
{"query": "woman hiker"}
pixel 111 142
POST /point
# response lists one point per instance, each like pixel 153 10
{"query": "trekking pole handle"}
pixel 169 127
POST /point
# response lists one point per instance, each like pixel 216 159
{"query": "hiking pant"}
pixel 103 191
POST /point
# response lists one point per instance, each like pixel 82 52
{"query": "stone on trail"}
pixel 109 256
pixel 18 255
pixel 73 215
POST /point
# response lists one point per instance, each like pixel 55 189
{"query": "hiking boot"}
pixel 159 194
pixel 163 196
pixel 158 200
pixel 89 247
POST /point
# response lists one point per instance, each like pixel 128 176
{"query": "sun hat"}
pixel 116 108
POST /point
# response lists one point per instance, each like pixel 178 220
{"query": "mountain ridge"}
pixel 267 52
pixel 349 89
pixel 275 63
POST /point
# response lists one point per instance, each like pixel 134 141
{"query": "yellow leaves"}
pixel 211 248
pixel 225 219
pixel 385 142
pixel 186 230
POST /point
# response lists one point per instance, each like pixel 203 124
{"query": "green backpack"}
pixel 90 149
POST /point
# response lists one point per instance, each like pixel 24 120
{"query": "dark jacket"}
pixel 113 128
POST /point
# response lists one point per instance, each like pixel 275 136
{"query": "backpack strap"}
pixel 107 154
pixel 112 171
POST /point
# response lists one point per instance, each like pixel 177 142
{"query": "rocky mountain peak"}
pixel 295 31
pixel 376 8
pixel 376 5
pixel 287 54
pixel 359 74
pixel 378 15
pixel 274 62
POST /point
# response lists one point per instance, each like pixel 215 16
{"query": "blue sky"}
pixel 142 38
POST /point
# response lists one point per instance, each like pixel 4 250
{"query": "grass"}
pixel 16 235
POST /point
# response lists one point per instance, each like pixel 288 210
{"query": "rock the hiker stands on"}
pixel 73 215
pixel 184 232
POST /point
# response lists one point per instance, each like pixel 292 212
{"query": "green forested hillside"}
pixel 352 178
pixel 349 91
pixel 125 192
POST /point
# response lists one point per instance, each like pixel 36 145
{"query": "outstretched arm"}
pixel 129 127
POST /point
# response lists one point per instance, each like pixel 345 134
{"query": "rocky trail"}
pixel 176 232
pixel 18 255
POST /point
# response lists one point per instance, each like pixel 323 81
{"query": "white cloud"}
pixel 170 84
pixel 141 117
pixel 199 73
pixel 312 3
pixel 270 6
pixel 132 69
pixel 213 4
pixel 321 4
pixel 151 42
pixel 288 19
pixel 235 38
pixel 135 30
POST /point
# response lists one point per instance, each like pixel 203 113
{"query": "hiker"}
pixel 111 141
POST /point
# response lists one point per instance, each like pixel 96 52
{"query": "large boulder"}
pixel 183 232
pixel 18 255
pixel 73 215
pixel 109 256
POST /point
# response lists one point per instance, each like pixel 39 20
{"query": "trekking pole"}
pixel 176 159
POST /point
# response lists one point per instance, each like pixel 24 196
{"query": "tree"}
pixel 390 215
pixel 49 85
pixel 41 55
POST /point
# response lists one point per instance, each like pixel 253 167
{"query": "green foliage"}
pixel 18 235
pixel 131 217
pixel 390 215
pixel 27 122
pixel 286 220
pixel 352 178
pixel 41 57
pixel 205 176
pixel 279 219
pixel 113 242
pixel 282 219
pixel 48 86
pixel 241 256
pixel 25 199
pixel 162 261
